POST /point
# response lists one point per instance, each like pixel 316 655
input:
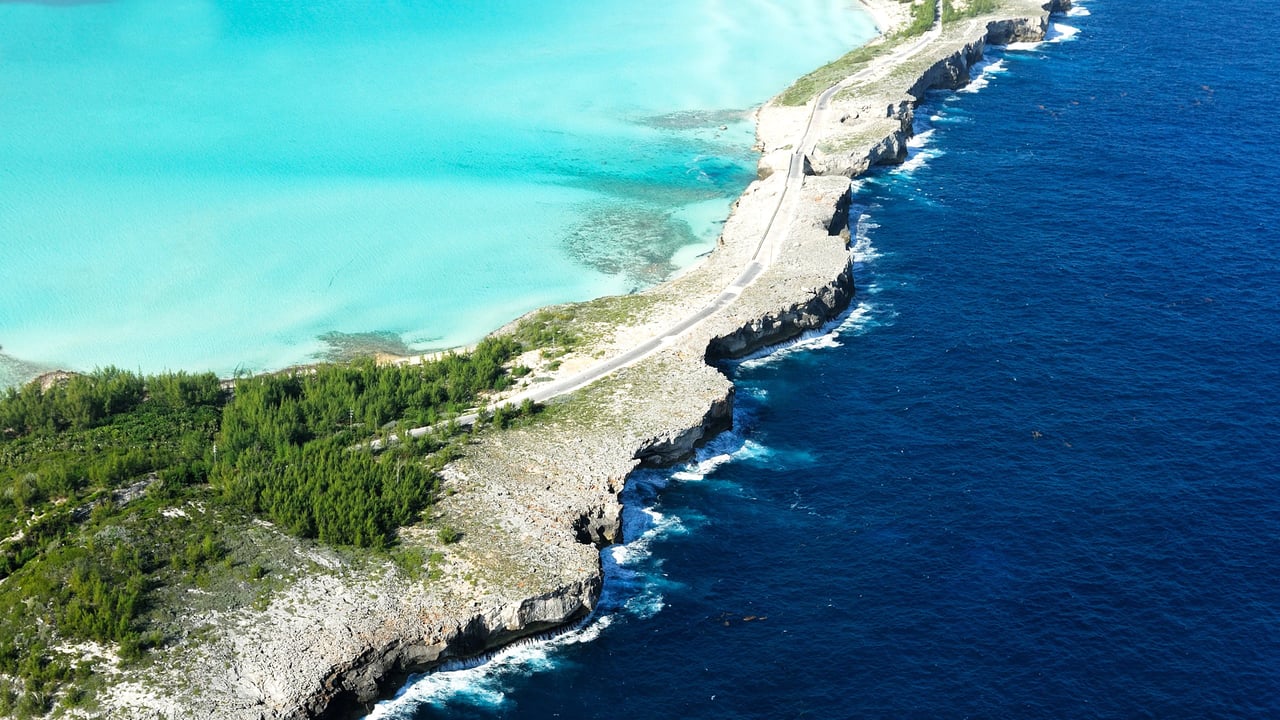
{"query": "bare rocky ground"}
pixel 531 506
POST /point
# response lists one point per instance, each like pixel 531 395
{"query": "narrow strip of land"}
pixel 766 251
pixel 529 507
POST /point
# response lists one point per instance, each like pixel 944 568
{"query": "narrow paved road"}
pixel 771 239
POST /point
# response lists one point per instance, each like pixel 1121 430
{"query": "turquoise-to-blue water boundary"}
pixel 218 184
pixel 1035 473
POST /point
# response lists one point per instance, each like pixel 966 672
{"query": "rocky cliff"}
pixel 386 662
pixel 533 505
pixel 795 296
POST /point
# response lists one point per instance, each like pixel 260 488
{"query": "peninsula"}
pixel 511 548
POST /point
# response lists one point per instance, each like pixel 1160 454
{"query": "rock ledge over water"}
pixel 534 505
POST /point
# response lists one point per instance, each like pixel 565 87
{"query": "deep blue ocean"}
pixel 1034 473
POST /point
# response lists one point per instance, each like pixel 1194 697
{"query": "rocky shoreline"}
pixel 534 505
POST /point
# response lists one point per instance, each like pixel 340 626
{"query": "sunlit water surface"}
pixel 1034 473
pixel 217 184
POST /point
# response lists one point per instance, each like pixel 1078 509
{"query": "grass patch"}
pixel 558 330
pixel 549 328
pixel 842 144
pixel 808 87
pixel 923 16
pixel 972 8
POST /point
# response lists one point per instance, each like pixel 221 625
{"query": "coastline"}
pixel 887 14
pixel 536 504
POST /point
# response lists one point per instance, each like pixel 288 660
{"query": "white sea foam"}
pixel 920 139
pixel 634 587
pixel 916 160
pixel 483 682
pixel 861 249
pixel 646 604
pixel 701 470
pixel 859 317
pixel 1060 32
pixel 982 73
pixel 949 114
pixel 641 525
pixel 919 151
pixel 993 65
pixel 852 321
pixel 752 450
pixel 1078 11
pixel 759 454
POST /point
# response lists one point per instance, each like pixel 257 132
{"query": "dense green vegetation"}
pixel 114 485
pixel 558 329
pixel 71 455
pixel 923 15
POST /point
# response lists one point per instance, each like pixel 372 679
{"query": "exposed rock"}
pixel 533 505
pixel 949 72
pixel 676 444
pixel 53 377
pixel 782 325
pixel 1003 32
pixel 352 686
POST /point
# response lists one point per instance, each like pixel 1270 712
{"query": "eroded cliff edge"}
pixel 534 505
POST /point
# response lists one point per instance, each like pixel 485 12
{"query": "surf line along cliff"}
pixel 534 505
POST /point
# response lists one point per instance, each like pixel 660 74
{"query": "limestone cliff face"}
pixel 1024 29
pixel 388 660
pixel 534 505
pixel 882 138
pixel 876 133
pixel 949 72
pixel 808 285
pixel 819 307
pixel 1027 28
pixel 893 129
pixel 1003 32
pixel 676 444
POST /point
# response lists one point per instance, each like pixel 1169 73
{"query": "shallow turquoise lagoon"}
pixel 216 184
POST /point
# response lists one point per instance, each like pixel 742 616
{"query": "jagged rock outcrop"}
pixel 1026 29
pixel 674 445
pixel 820 305
pixel 949 72
pixel 534 505
pixel 353 685
pixel 805 288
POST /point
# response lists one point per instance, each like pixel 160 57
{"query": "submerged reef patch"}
pixel 637 242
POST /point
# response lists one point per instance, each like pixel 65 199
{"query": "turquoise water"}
pixel 214 184
pixel 1034 474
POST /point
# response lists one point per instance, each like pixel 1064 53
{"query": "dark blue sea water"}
pixel 1035 473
